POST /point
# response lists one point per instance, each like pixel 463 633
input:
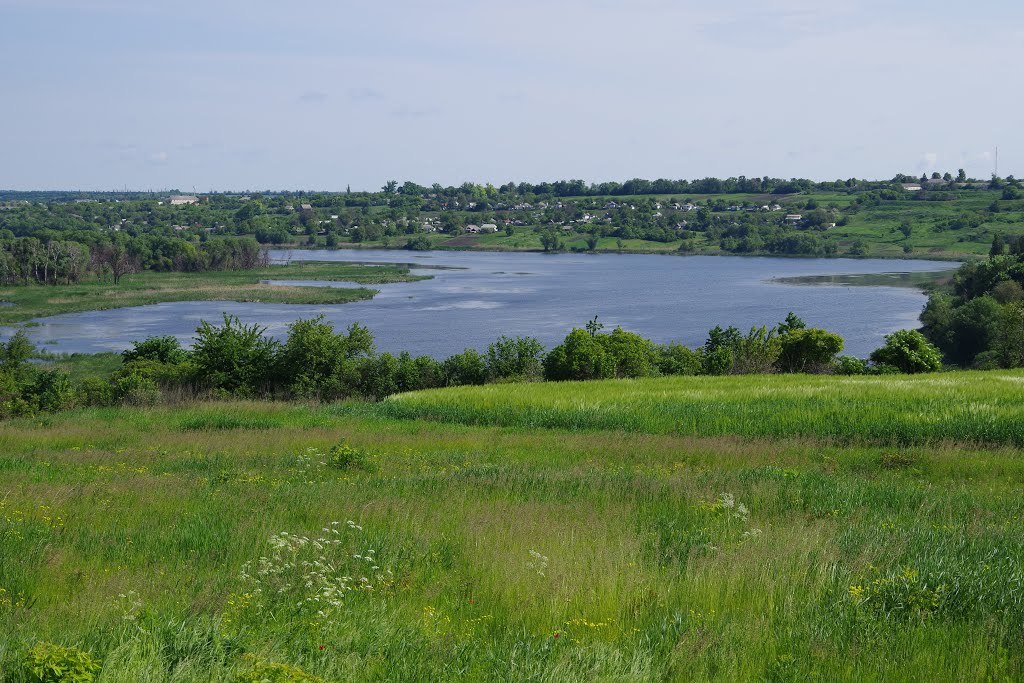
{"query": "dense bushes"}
pixel 978 324
pixel 316 362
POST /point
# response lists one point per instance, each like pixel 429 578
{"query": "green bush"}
pixel 849 365
pixel 514 358
pixel 234 358
pixel 580 357
pixel 909 352
pixel 51 391
pixel 51 663
pixel 160 349
pixel 468 367
pixel 808 350
pixel 93 391
pixel 676 359
pixel 136 390
pixel 345 457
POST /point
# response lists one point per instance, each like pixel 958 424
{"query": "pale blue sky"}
pixel 318 94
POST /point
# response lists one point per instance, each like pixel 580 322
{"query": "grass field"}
pixel 216 541
pixel 150 287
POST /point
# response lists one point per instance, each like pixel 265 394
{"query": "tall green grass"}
pixel 505 553
pixel 968 407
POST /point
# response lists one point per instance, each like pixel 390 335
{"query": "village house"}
pixel 911 187
pixel 179 199
pixel 472 229
pixel 793 218
pixel 488 227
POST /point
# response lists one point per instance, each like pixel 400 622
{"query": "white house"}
pixel 794 218
pixel 488 227
pixel 472 229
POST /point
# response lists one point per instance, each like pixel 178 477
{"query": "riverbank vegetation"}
pixel 235 359
pixel 246 541
pixel 942 216
pixel 33 301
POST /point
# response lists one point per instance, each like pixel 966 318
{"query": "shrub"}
pixel 757 352
pixel 160 349
pixel 315 361
pixel 468 367
pixel 515 358
pixel 633 355
pixel 422 372
pixel 718 349
pixel 136 390
pixel 93 391
pixel 345 457
pixel 378 376
pixel 15 353
pixel 849 365
pixel 808 350
pixel 51 663
pixel 1009 347
pixel 585 354
pixel 909 352
pixel 51 391
pixel 234 358
pixel 580 357
pixel 676 359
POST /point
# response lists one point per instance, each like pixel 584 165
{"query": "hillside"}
pixel 621 541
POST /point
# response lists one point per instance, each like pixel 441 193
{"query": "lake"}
pixel 474 297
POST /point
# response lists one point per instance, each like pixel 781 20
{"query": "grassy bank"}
pixel 977 407
pixel 511 553
pixel 146 288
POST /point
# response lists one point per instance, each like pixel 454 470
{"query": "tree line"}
pixel 979 321
pixel 317 362
pixel 31 260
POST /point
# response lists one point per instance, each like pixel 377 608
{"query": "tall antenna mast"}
pixel 996 172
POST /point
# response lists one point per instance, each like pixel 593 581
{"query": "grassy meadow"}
pixel 150 287
pixel 698 529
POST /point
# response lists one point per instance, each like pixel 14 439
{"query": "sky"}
pixel 326 94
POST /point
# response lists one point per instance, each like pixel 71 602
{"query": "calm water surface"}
pixel 482 295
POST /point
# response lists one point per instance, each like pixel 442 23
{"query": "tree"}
pixel 972 329
pixel 755 353
pixel 961 176
pixel 115 259
pixel 676 359
pixel 718 349
pixel 792 323
pixel 909 352
pixel 166 350
pixel 550 241
pixel 580 357
pixel 808 350
pixel 468 367
pixel 1009 345
pixel 234 358
pixel 514 358
pixel 998 246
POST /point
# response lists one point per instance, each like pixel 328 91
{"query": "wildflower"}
pixel 321 647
